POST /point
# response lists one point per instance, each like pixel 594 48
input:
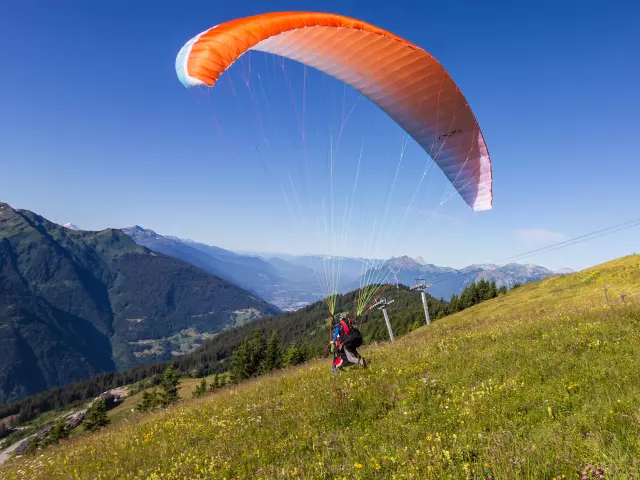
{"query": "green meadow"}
pixel 540 383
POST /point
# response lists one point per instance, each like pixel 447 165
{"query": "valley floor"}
pixel 543 382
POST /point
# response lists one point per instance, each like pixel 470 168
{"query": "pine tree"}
pixel 169 385
pixel 493 290
pixel 306 351
pixel 502 290
pixel 464 298
pixel 57 433
pixel 290 355
pixel 215 383
pixel 149 401
pixel 200 389
pixel 97 415
pixel 257 352
pixel 273 355
pixel 456 305
pixel 241 361
pixel 474 294
pixel 482 289
pixel 294 355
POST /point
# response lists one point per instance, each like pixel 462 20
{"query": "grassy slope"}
pixel 126 409
pixel 534 384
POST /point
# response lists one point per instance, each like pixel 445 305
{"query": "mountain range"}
pixel 75 303
pixel 446 281
pixel 289 281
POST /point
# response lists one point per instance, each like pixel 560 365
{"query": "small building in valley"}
pixel 44 431
pixel 23 447
pixel 75 420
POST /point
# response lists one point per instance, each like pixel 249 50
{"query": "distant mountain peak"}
pixel 483 266
pixel 137 231
pixel 564 271
pixel 71 226
pixel 403 261
pixel 419 260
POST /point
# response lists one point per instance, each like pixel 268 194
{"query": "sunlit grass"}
pixel 535 384
pixel 127 408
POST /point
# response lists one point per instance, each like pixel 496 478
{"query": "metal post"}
pixel 426 307
pixel 423 287
pixel 606 295
pixel 386 320
pixel 382 305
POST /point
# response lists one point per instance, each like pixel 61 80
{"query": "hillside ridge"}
pixel 510 388
pixel 76 303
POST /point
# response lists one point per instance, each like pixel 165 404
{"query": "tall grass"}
pixel 541 383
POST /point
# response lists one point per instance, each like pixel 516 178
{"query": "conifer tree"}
pixel 169 385
pixel 455 304
pixel 149 401
pixel 200 389
pixel 295 354
pixel 241 361
pixel 258 350
pixel 493 290
pixel 273 355
pixel 57 433
pixel 97 415
pixel 215 383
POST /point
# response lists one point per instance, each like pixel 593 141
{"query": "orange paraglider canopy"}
pixel 401 78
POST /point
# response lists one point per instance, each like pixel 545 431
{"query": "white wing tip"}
pixel 482 207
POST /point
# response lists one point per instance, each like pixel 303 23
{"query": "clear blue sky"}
pixel 96 129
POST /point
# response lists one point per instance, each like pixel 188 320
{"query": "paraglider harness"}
pixel 349 335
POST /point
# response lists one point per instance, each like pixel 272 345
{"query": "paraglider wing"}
pixel 401 78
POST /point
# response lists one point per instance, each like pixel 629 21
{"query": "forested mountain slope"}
pixel 76 303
